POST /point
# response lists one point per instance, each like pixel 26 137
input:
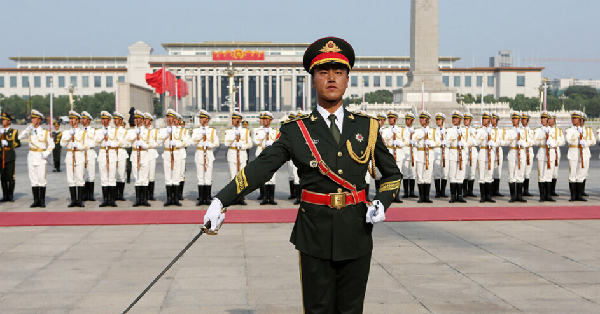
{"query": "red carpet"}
pixel 137 217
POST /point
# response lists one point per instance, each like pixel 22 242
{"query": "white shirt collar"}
pixel 339 114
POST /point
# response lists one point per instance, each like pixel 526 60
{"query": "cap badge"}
pixel 330 47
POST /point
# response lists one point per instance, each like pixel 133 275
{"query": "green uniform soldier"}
pixel 332 148
pixel 10 141
pixel 56 135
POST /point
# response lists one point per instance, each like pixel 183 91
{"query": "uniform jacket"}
pixel 319 230
pixel 39 141
pixel 12 137
pixel 57 135
pixel 511 137
pixel 454 136
pixel 230 141
pixel 540 140
pixel 260 138
pixel 419 137
pixel 212 137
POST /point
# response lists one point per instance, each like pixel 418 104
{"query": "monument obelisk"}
pixel 424 63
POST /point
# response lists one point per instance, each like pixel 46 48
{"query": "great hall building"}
pixel 271 75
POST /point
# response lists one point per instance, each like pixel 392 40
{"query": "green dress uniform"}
pixel 7 161
pixel 56 152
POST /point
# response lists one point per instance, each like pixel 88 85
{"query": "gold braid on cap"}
pixel 370 151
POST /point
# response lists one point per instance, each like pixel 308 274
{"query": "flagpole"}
pixel 240 96
pixel 363 93
pixel 545 93
pixel 304 94
pixel 117 98
pixel 176 95
pixel 51 102
pixel 422 94
pixel 163 88
pixel 482 94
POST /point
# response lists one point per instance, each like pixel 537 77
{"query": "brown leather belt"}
pixel 333 200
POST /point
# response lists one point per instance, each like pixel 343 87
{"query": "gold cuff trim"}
pixel 389 186
pixel 240 181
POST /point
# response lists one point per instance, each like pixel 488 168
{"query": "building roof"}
pixel 404 58
pixel 68 58
pixel 494 69
pixel 236 44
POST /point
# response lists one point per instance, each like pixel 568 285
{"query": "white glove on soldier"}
pixel 520 143
pixel 29 128
pixel 4 143
pixel 169 130
pixel 583 143
pixel 2 130
pixel 550 142
pixel 137 130
pixel 461 144
pixel 428 143
pixel 173 143
pixel 74 145
pixel 104 132
pixel 444 143
pixel 269 143
pixel 411 130
pixel 375 212
pixel 73 132
pixel 45 154
pixel 237 132
pixel 492 144
pixel 397 143
pixel 214 215
pixel 238 144
pixel 205 144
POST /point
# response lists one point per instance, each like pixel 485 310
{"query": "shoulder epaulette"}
pixel 363 115
pixel 300 117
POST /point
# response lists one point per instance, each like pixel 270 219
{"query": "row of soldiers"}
pixel 451 153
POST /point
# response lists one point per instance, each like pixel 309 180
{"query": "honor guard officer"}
pixel 499 139
pixel 245 126
pixel 122 155
pixel 560 141
pixel 516 159
pixel 40 147
pixel 457 157
pixel 577 155
pixel 108 140
pixel 334 224
pixel 409 169
pixel 77 144
pixel 424 140
pixel 293 179
pixel 206 140
pixel 393 137
pixel 90 157
pixel 238 140
pixel 484 138
pixel 140 141
pixel 152 153
pixel 263 139
pixel 529 138
pixel 183 155
pixel 56 152
pixel 472 155
pixel 381 120
pixel 591 141
pixel 174 140
pixel 10 141
pixel 256 133
pixel 440 155
pixel 546 157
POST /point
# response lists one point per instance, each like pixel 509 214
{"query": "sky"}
pixel 472 30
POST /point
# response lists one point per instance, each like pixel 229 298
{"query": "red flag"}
pixel 170 83
pixel 182 88
pixel 156 80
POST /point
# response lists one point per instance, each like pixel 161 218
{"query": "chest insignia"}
pixel 315 141
pixel 359 137
pixel 313 164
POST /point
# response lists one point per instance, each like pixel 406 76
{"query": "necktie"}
pixel 335 131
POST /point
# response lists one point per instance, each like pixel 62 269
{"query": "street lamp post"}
pixel 71 91
pixel 231 71
pixel 563 97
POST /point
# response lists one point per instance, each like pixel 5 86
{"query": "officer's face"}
pixel 203 121
pixel 515 122
pixel 330 82
pixel 74 122
pixel 392 120
pixel 267 123
pixel 5 123
pixel 105 122
pixel 56 127
pixel 381 122
pixel 36 121
pixel 456 121
pixel 147 122
pixel 467 122
pixel 524 122
pixel 575 121
pixel 439 122
pixel 494 121
pixel 236 122
pixel 485 121
pixel 138 121
pixel 551 122
pixel 544 121
pixel 409 122
pixel 424 122
pixel 118 122
pixel 170 120
pixel 85 122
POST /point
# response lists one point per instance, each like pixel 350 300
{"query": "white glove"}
pixel 583 143
pixel 214 215
pixel 169 130
pixel 269 143
pixel 74 145
pixel 444 143
pixel 4 143
pixel 492 144
pixel 411 130
pixel 459 131
pixel 461 144
pixel 45 154
pixel 73 132
pixel 238 144
pixel 173 143
pixel 375 212
pixel 521 143
pixel 397 143
pixel 428 143
pixel 412 143
pixel 29 128
pixel 550 142
pixel 104 132
pixel 112 144
pixel 205 144
pixel 104 144
pixel 137 130
pixel 237 132
pixel 2 130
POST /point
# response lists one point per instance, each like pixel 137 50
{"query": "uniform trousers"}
pixel 151 169
pixel 514 173
pixel 499 157
pixel 37 169
pixel 455 173
pixel 121 164
pixel 407 167
pixel 75 176
pixel 529 166
pixel 204 177
pixel 172 176
pixel 140 175
pixel 108 177
pixel 439 171
pixel 555 174
pixel 8 172
pixel 331 287
pixel 471 168
pixel 486 173
pixel 293 172
pixel 576 173
pixel 233 164
pixel 545 173
pixel 424 171
pixel 90 169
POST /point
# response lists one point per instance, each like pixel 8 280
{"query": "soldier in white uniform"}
pixel 392 136
pixel 206 140
pixel 484 139
pixel 139 137
pixel 152 154
pixel 529 135
pixel 457 159
pixel 514 138
pixel 293 178
pixel 472 155
pixel 591 141
pixel 108 140
pixel 424 140
pixel 409 150
pixel 256 132
pixel 40 147
pixel 577 155
pixel 263 138
pixel 90 157
pixel 77 143
pixel 122 155
pixel 499 139
pixel 237 140
pixel 560 141
pixel 546 157
pixel 381 120
pixel 174 139
pixel 183 153
pixel 440 155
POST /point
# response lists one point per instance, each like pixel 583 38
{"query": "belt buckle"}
pixel 338 200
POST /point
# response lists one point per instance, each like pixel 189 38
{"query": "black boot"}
pixel 128 172
pixel 11 190
pixel 471 183
pixel 120 189
pixel 91 192
pixel 42 197
pixel 175 197
pixel 261 192
pixel 112 191
pixel 421 193
pixel 405 183
pixel 583 188
pixel 526 188
pixel 411 188
pixel 548 189
pixel 513 193
pixel 200 195
pixel 497 188
pixel 519 191
pixel 265 200
pixel 181 184
pixel 367 193
pixel 145 196
pixel 207 196
pixel 86 185
pixel 151 191
pixel 80 192
pixel 73 191
pixel 298 194
pixel 580 186
pixel 105 197
pixel 242 201
pixel 482 191
pixel 5 191
pixel 138 196
pixel 573 191
pixel 271 194
pixel 426 189
pixel 489 189
pixel 459 193
pixel 443 188
pixel 169 201
pixel 397 198
pixel 452 192
pixel 292 191
pixel 437 188
pixel 542 189
pixel 553 189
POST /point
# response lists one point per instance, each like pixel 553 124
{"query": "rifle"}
pixel 547 149
pixel 204 149
pixel 443 150
pixel 172 157
pixel 412 158
pixel 469 149
pixel 237 148
pixel 497 149
pixel 581 147
pixel 3 150
pixel 73 151
pixel 106 149
pixel 138 149
pixel 489 159
pixel 426 151
pixel 518 149
pixel 459 150
pixel 394 144
pixel 556 148
pixel 527 148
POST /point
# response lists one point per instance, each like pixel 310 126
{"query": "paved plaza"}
pixel 417 267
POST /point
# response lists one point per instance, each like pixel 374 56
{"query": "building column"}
pixel 246 87
pixel 257 92
pixel 308 92
pixel 198 91
pixel 217 91
pixel 277 91
pixel 270 82
pixel 294 90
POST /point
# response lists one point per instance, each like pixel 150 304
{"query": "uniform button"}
pixel 339 154
pixel 340 171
